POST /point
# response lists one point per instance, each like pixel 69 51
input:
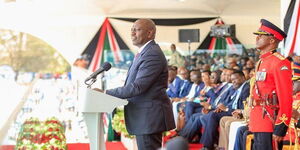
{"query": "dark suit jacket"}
pixel 174 87
pixel 243 96
pixel 149 109
pixel 184 88
pixel 223 98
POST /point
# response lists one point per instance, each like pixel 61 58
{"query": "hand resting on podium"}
pixel 99 90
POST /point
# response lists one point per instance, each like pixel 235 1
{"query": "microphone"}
pixel 105 67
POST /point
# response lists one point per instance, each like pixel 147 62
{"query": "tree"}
pixel 27 53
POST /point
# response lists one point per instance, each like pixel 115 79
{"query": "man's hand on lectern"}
pixel 99 90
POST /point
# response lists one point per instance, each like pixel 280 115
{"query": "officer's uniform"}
pixel 271 99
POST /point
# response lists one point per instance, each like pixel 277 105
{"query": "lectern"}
pixel 93 104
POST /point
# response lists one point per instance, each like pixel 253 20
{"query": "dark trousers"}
pixel 191 108
pixel 263 141
pixel 241 137
pixel 210 134
pixel 149 141
pixel 192 127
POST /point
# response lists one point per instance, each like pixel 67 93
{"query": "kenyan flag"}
pixel 219 45
pixel 292 28
pixel 106 46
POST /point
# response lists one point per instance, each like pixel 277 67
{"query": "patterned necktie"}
pixel 136 56
pixel 226 87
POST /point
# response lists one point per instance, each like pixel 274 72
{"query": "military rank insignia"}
pixel 284 68
pixel 261 76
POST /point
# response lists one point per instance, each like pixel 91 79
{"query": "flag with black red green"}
pixel 106 46
pixel 292 29
pixel 219 45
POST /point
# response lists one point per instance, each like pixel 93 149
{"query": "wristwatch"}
pixel 209 107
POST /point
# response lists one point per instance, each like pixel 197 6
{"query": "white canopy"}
pixel 69 25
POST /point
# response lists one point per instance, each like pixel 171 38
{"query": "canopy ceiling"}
pixel 69 25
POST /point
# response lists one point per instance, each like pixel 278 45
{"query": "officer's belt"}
pixel 262 102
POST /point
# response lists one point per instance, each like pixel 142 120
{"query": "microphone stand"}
pixel 91 82
pixel 103 83
pixel 189 55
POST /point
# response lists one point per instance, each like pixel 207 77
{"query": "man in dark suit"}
pixel 232 103
pixel 149 111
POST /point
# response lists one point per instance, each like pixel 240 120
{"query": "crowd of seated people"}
pixel 210 101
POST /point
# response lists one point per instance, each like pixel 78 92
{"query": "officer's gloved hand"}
pixel 279 131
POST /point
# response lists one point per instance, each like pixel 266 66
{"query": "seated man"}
pixel 192 105
pixel 213 94
pixel 180 85
pixel 197 86
pixel 226 128
pixel 172 74
pixel 180 89
pixel 233 102
pixel 241 138
pixel 194 124
pixel 173 84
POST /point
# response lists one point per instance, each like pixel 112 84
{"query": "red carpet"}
pixel 71 146
pixel 115 146
pixel 195 146
pixel 79 146
pixel 109 146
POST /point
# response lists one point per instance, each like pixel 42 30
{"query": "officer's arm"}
pixel 283 82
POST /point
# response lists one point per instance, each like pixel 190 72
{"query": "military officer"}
pixel 271 99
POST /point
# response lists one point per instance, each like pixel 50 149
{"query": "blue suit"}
pixel 149 110
pixel 212 119
pixel 193 107
pixel 173 88
pixel 222 97
pixel 213 93
pixel 184 89
pixel 197 120
pixel 241 137
pixel 198 89
pixel 187 109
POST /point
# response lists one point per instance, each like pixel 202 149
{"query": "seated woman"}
pixel 193 105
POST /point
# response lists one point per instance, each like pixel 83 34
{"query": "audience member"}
pixel 177 143
pixel 176 58
pixel 233 103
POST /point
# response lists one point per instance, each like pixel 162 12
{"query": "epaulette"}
pixel 279 56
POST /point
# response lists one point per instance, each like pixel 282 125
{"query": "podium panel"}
pixel 92 101
pixel 93 104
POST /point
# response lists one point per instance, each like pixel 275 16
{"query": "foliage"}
pixel 29 54
pixel 35 134
pixel 118 123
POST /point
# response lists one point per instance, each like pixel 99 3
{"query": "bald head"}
pixel 148 23
pixel 142 31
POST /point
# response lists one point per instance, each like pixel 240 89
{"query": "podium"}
pixel 93 104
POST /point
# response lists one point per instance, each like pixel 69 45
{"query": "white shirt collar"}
pixel 141 49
